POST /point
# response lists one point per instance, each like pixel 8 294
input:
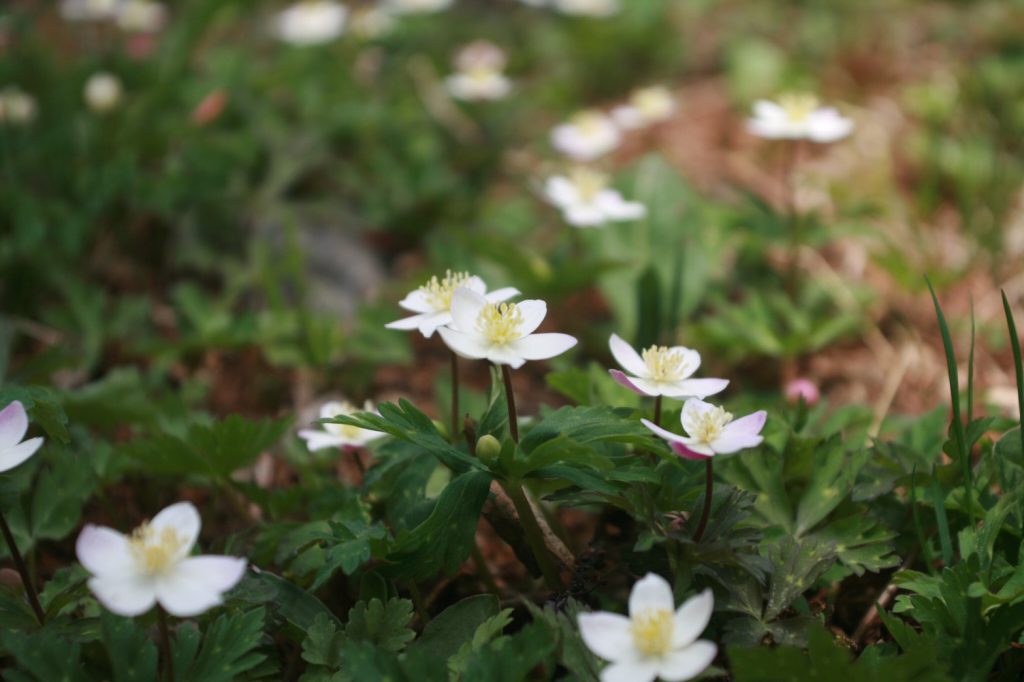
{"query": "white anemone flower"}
pixel 656 640
pixel 500 332
pixel 339 435
pixel 88 10
pixel 586 200
pixel 478 73
pixel 586 136
pixel 13 425
pixel 417 6
pixel 17 106
pixel 662 370
pixel 587 8
pixel 432 302
pixel 798 117
pixel 141 16
pixel 711 431
pixel 103 92
pixel 310 22
pixel 645 107
pixel 132 573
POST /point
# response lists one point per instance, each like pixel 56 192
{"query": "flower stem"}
pixel 167 659
pixel 513 416
pixel 455 397
pixel 792 162
pixel 19 564
pixel 534 535
pixel 709 485
pixel 657 410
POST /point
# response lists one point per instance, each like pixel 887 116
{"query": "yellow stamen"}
pixel 590 123
pixel 798 106
pixel 155 552
pixel 439 292
pixel 709 425
pixel 499 323
pixel 653 102
pixel 345 430
pixel 588 182
pixel 665 364
pixel 652 631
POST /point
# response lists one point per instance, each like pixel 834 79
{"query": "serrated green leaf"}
pixel 383 625
pixel 228 648
pixel 132 654
pixel 455 626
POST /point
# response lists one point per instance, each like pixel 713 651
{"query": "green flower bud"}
pixel 488 448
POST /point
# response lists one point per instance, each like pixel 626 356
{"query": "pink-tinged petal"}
pixel 628 118
pixel 750 425
pixel 13 424
pixel 197 584
pixel 696 388
pixel 503 294
pixel 692 450
pixel 621 378
pixel 727 444
pixel 476 284
pixel 686 664
pixel 615 207
pixel 406 323
pixel 126 595
pixel 691 618
pixel 542 346
pixel 183 517
pixel 651 592
pixel 104 551
pixel 12 457
pixel 627 357
pixel 631 670
pixel 608 635
pixel 664 433
pixel 693 409
pixel 463 345
pixel 533 313
pixel 466 307
pixel 416 302
pixel 319 440
pixel 561 192
pixel 584 215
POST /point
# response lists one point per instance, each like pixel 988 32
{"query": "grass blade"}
pixel 922 541
pixel 970 372
pixel 1018 368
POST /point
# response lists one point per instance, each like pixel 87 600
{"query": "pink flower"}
pixel 802 389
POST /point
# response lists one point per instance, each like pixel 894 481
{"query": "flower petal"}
pixel 664 433
pixel 561 192
pixel 621 378
pixel 319 440
pixel 631 670
pixel 466 307
pixel 650 592
pixel 126 595
pixel 462 344
pixel 826 125
pixel 12 457
pixel 611 203
pixel 503 294
pixel 691 618
pixel 690 449
pixel 608 635
pixel 431 323
pixel 476 284
pixel 406 323
pixel 196 584
pixel 542 346
pixel 104 551
pixel 584 215
pixel 533 312
pixel 416 302
pixel 183 517
pixel 696 388
pixel 692 411
pixel 687 663
pixel 627 357
pixel 13 424
pixel 750 425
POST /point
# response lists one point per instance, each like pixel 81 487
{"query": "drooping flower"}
pixel 103 92
pixel 88 10
pixel 16 106
pixel 141 16
pixel 802 389
pixel 587 8
pixel 432 302
pixel 13 425
pixel 645 107
pixel 132 573
pixel 711 431
pixel 478 74
pixel 662 370
pixel 586 136
pixel 311 22
pixel 500 332
pixel 417 6
pixel 586 200
pixel 798 117
pixel 339 435
pixel 656 640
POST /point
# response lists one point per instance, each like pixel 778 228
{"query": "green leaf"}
pixel 322 646
pixel 132 654
pixel 43 657
pixel 831 482
pixel 347 548
pixel 510 659
pixel 228 649
pixel 456 625
pixel 43 407
pixel 383 625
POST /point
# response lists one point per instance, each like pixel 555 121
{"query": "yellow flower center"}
pixel 588 182
pixel 589 123
pixel 499 323
pixel 798 106
pixel 665 364
pixel 653 102
pixel 652 631
pixel 344 430
pixel 710 424
pixel 155 552
pixel 439 292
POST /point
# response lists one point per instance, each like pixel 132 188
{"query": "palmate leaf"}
pixel 227 650
pixel 457 625
pixel 132 654
pixel 510 659
pixel 43 657
pixel 384 625
pixel 348 547
pixel 43 407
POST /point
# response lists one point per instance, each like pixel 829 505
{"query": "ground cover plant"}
pixel 511 340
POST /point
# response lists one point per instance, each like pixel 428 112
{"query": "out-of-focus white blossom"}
pixel 798 117
pixel 371 22
pixel 311 22
pixel 586 136
pixel 141 16
pixel 88 10
pixel 587 8
pixel 417 6
pixel 645 107
pixel 339 435
pixel 586 200
pixel 103 92
pixel 17 107
pixel 479 74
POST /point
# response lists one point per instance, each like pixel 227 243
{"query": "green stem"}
pixel 418 603
pixel 455 397
pixel 792 162
pixel 513 416
pixel 534 535
pixel 19 565
pixel 709 485
pixel 166 658
pixel 657 410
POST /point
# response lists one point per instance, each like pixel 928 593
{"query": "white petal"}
pixel 12 457
pixel 769 111
pixel 608 635
pixel 627 357
pixel 750 425
pixel 318 440
pixel 104 551
pixel 503 294
pixel 584 215
pixel 691 618
pixel 628 118
pixel 416 302
pixel 615 207
pixel 631 670
pixel 561 192
pixel 651 592
pixel 690 357
pixel 651 387
pixel 542 346
pixel 196 584
pixel 406 323
pixel 466 307
pixel 465 345
pixel 664 433
pixel 126 595
pixel 692 411
pixel 183 517
pixel 685 664
pixel 828 126
pixel 13 424
pixel 697 388
pixel 689 448
pixel 505 355
pixel 623 380
pixel 533 312
pixel 431 323
pixel 476 284
pixel 729 443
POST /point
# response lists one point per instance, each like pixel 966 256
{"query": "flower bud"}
pixel 488 448
pixel 103 92
pixel 802 389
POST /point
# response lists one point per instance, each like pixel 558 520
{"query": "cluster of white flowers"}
pixel 131 16
pixel 479 75
pixel 17 107
pixel 316 22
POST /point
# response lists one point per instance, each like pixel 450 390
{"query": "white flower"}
pixel 479 74
pixel 657 640
pixel 141 16
pixel 586 200
pixel 433 301
pixel 587 8
pixel 131 573
pixel 500 332
pixel 645 107
pixel 311 22
pixel 339 435
pixel 661 370
pixel 712 431
pixel 798 117
pixel 371 22
pixel 417 6
pixel 103 92
pixel 586 136
pixel 88 10
pixel 13 425
pixel 16 106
